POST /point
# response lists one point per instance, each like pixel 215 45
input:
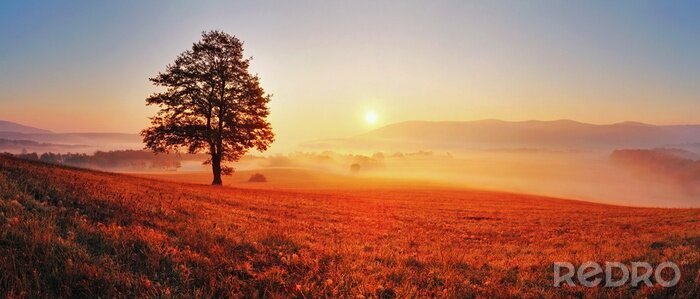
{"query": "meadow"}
pixel 80 233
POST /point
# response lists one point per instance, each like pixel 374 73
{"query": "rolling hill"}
pixel 7 126
pixel 18 146
pixel 68 232
pixel 19 137
pixel 497 134
pixel 94 140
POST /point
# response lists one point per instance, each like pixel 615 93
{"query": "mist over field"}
pixel 590 176
pixel 586 176
pixel 557 158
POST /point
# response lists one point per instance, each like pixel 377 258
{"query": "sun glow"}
pixel 371 117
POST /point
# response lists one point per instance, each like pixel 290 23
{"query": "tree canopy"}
pixel 212 104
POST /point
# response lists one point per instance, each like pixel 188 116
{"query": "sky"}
pixel 83 66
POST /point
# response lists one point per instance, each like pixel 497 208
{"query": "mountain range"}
pixel 498 134
pixel 429 135
pixel 17 137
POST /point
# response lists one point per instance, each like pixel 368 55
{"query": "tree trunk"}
pixel 216 170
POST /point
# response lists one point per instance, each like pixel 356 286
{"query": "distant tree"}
pixel 50 158
pixel 29 156
pixel 212 104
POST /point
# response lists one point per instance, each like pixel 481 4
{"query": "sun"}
pixel 371 117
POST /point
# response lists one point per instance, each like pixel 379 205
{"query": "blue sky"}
pixel 83 65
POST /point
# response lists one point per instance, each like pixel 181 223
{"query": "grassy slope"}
pixel 296 179
pixel 67 232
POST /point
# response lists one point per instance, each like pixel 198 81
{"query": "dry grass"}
pixel 68 232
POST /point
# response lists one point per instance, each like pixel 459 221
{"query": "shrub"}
pixel 257 178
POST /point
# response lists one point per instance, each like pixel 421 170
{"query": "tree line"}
pixel 131 159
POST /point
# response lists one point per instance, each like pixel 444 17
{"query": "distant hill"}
pixel 89 141
pixel 7 126
pixel 18 146
pixel 75 138
pixel 498 134
pixel 17 137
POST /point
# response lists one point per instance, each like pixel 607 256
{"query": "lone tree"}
pixel 212 104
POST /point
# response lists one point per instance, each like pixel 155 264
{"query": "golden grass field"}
pixel 291 178
pixel 69 232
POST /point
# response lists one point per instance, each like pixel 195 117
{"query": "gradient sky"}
pixel 83 65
